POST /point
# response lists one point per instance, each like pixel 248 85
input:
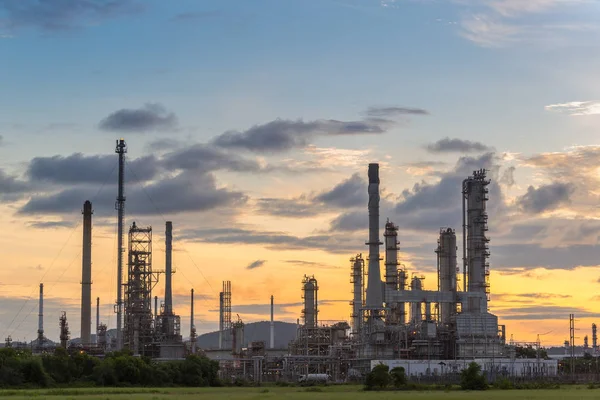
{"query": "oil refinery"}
pixel 394 319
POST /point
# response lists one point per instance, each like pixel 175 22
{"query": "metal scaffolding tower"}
pixel 64 330
pixel 225 316
pixel 139 327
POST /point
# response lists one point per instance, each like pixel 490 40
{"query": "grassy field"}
pixel 333 393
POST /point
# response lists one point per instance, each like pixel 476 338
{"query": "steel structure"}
pixel 357 279
pixel 374 289
pixel 447 272
pixel 192 325
pixel 139 324
pixel 594 338
pixel 86 276
pixel 272 325
pixel 225 316
pixel 120 149
pixel 40 331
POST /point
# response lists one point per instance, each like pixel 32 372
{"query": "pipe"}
pixel 272 344
pixel 41 312
pixel 168 268
pixel 86 275
pixel 374 286
pixel 121 149
pixel 97 317
pixel 155 307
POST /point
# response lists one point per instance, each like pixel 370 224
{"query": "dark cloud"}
pixel 195 16
pixel 151 117
pixel 256 264
pixel 545 198
pixel 12 188
pixel 186 192
pixel 164 144
pixel 311 264
pixel 349 193
pixel 282 135
pixel 543 312
pixel 78 168
pixel 508 177
pixel 264 308
pixel 58 15
pixel 448 145
pixel 394 111
pixel 51 224
pixel 337 244
pixel 203 158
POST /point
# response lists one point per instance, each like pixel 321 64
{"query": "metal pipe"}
pixel 121 149
pixel 155 307
pixel 272 343
pixel 97 317
pixel 192 327
pixel 86 275
pixel 168 268
pixel 374 285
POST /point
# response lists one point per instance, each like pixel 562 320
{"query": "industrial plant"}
pixel 394 319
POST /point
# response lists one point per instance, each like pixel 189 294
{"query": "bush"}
pixel 379 378
pixel 472 378
pixel 398 375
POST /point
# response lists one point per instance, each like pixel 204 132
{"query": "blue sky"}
pixel 512 84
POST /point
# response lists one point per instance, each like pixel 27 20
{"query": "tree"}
pixel 472 378
pixel 378 378
pixel 398 376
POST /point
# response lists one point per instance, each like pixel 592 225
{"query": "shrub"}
pixel 472 378
pixel 379 378
pixel 398 375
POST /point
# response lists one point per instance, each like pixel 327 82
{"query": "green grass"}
pixel 292 393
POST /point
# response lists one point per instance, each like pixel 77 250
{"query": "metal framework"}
pixel 310 310
pixel 139 329
pixel 64 330
pixel 225 316
pixel 357 279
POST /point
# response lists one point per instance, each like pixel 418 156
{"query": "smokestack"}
pixel 374 286
pixel 41 313
pixel 155 307
pixel 120 149
pixel 272 346
pixel 86 275
pixel 221 305
pixel 192 327
pixel 168 268
pixel 97 317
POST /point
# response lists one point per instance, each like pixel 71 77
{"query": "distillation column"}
pixel 374 286
pixel 86 275
pixel 416 314
pixel 392 274
pixel 97 318
pixel 475 195
pixel 310 311
pixel 168 267
pixel 447 271
pixel 358 290
pixel 192 326
pixel 272 342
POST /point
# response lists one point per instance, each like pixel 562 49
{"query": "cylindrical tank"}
pixel 391 255
pixel 447 271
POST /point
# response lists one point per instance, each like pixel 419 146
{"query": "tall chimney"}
pixel 272 346
pixel 192 327
pixel 41 314
pixel 168 268
pixel 86 275
pixel 374 286
pixel 97 317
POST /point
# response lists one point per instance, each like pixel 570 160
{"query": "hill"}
pixel 253 332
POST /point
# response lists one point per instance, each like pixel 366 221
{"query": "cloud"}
pixel 544 312
pixel 349 193
pixel 51 224
pixel 185 192
pixel 311 264
pixel 448 145
pixel 151 117
pixel 195 16
pixel 282 135
pixel 256 264
pixel 336 244
pixel 576 108
pixel 12 188
pixel 204 158
pixel 60 15
pixel 508 177
pixel 395 111
pixel 528 255
pixel 78 168
pixel 545 198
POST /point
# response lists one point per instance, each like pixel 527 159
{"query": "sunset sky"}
pixel 250 125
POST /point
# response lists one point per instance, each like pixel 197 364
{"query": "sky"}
pixel 250 125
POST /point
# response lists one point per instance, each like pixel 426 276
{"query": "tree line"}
pixel 20 368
